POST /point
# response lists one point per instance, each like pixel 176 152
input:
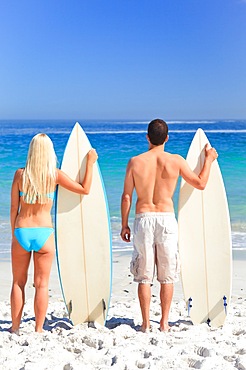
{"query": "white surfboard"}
pixel 205 242
pixel 83 238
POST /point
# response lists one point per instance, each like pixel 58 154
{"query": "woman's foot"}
pixel 145 329
pixel 12 331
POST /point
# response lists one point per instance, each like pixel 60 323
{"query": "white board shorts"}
pixel 155 240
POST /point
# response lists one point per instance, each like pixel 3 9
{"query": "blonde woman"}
pixel 32 197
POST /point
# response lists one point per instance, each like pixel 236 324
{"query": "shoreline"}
pixel 120 263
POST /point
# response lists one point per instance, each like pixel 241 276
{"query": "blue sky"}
pixel 107 59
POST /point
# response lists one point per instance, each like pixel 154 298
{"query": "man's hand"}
pixel 126 234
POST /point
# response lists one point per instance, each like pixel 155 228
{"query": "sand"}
pixel 120 344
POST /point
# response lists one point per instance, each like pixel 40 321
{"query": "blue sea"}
pixel 116 141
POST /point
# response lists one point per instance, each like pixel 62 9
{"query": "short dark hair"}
pixel 157 131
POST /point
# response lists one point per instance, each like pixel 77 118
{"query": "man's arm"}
pixel 199 181
pixel 126 202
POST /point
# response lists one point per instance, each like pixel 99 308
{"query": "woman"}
pixel 32 197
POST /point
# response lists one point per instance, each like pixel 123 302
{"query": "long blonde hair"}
pixel 39 175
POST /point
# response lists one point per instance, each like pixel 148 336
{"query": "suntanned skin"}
pixel 154 175
pixel 37 215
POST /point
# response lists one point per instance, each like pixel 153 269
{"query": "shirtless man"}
pixel 154 176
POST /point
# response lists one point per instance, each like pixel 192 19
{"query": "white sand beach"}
pixel 120 345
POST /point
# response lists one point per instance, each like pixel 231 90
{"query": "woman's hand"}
pixel 92 156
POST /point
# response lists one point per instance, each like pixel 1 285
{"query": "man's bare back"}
pixel 155 175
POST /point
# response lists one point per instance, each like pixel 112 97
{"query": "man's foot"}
pixel 164 327
pixel 38 330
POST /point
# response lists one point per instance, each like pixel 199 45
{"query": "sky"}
pixel 121 59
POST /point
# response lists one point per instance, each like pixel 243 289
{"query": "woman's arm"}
pixel 15 199
pixel 84 187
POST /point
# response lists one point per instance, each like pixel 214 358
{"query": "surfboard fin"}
pixel 225 304
pixel 70 307
pixel 104 308
pixel 189 305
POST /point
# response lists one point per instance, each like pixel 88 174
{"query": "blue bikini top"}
pixel 49 195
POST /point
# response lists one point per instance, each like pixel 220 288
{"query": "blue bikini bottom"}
pixel 33 238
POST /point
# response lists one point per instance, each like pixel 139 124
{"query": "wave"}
pixel 130 249
pixel 170 122
pixel 127 122
pixel 33 131
pixel 191 122
pixel 5 251
pixel 172 131
pixel 124 132
pixel 219 131
pixel 116 132
pixel 117 248
pixel 122 249
pixel 183 122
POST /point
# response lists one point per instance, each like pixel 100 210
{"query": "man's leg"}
pixel 167 263
pixel 144 295
pixel 166 295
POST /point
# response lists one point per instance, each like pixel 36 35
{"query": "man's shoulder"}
pixel 136 160
pixel 138 157
pixel 174 159
pixel 174 156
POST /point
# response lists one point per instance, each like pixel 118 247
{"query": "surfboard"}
pixel 83 238
pixel 205 241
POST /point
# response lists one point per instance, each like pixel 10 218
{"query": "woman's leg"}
pixel 20 264
pixel 42 266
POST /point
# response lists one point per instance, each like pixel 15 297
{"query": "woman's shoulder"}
pixel 18 173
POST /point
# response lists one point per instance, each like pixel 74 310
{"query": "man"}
pixel 154 174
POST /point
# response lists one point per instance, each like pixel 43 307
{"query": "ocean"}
pixel 116 141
